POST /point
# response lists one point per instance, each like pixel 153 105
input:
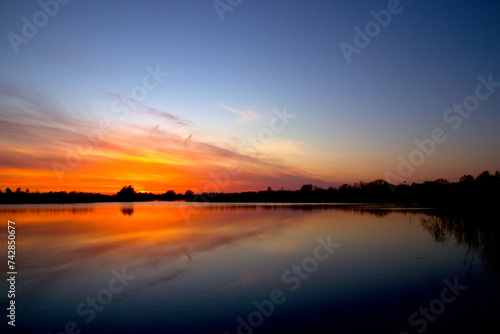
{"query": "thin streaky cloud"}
pixel 140 107
pixel 246 115
pixel 165 115
pixel 41 131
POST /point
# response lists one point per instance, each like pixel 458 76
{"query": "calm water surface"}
pixel 184 268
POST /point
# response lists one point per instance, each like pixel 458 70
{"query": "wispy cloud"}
pixel 246 115
pixel 36 130
pixel 136 106
pixel 165 115
pixel 287 146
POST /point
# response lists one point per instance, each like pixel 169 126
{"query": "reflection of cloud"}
pixel 154 243
pixel 167 278
pixel 94 249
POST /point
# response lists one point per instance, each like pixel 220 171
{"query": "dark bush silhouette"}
pixel 126 193
pixel 467 179
pixel 307 187
pixel 170 196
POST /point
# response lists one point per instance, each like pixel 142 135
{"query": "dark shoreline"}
pixel 480 192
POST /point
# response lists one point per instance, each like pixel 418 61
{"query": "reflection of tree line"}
pixel 73 210
pixel 127 210
pixel 375 209
pixel 477 232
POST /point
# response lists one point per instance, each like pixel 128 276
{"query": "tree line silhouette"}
pixel 469 191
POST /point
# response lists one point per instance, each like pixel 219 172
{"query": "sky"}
pixel 241 95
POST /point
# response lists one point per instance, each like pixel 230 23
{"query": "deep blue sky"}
pixel 352 121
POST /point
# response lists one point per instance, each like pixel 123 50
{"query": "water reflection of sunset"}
pixel 225 254
pixel 160 232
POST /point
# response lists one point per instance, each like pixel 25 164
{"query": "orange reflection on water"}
pixel 159 232
pixel 55 235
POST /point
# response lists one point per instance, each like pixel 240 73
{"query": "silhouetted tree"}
pixel 18 190
pixel 189 195
pixel 467 179
pixel 484 177
pixel 307 187
pixel 170 195
pixel 345 187
pixel 126 193
pixel 269 188
pixel 379 183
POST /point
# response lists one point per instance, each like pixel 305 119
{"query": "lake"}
pixel 160 267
